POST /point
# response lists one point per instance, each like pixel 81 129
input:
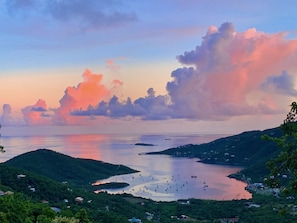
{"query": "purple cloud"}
pixel 283 84
pixel 13 5
pixel 6 117
pixel 150 107
pixel 36 114
pixel 224 69
pixel 88 13
pixel 218 76
pixel 220 79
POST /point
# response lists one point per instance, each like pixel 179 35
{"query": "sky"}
pixel 216 66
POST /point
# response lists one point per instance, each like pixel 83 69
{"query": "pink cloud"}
pixel 228 74
pixel 36 114
pixel 226 68
pixel 150 107
pixel 87 94
pixel 111 65
pixel 220 75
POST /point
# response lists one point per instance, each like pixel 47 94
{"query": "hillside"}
pixel 247 149
pixel 43 192
pixel 32 196
pixel 60 167
pixel 26 204
pixel 44 188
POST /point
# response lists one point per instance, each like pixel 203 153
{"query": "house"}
pixel 31 188
pixel 184 202
pixel 251 205
pixel 21 176
pixel 135 220
pixel 184 217
pixel 79 200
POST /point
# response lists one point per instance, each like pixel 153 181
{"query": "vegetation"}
pixel 111 185
pixel 24 187
pixel 63 168
pixel 106 208
pixel 247 149
pixel 143 144
pixel 1 147
pixel 283 167
pixel 18 209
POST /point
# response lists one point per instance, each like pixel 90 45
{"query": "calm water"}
pixel 160 177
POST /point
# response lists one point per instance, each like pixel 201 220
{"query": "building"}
pixel 135 220
pixel 79 200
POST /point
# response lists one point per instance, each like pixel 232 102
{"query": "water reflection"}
pixel 160 177
pixel 17 145
pixel 183 179
pixel 83 146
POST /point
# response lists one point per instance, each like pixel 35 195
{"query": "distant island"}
pixel 143 144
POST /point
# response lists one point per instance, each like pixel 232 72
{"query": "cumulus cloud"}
pixel 219 76
pixel 228 74
pixel 6 117
pixel 6 110
pixel 85 95
pixel 89 13
pixel 283 84
pixel 225 68
pixel 149 107
pixel 36 114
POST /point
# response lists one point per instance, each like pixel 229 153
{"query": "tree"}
pixel 1 147
pixel 284 166
pixel 82 215
pixel 63 219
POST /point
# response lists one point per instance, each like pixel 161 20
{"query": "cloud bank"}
pixel 149 107
pixel 227 74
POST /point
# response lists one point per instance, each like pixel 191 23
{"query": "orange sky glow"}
pixel 217 74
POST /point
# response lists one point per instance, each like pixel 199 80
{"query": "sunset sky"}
pixel 215 66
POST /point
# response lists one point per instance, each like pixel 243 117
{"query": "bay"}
pixel 161 177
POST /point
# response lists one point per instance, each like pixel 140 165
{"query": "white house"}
pixel 79 199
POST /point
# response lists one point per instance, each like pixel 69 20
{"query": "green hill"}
pixel 247 149
pixel 44 188
pixel 60 167
pixel 32 192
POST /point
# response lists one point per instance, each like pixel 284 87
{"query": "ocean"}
pixel 161 177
